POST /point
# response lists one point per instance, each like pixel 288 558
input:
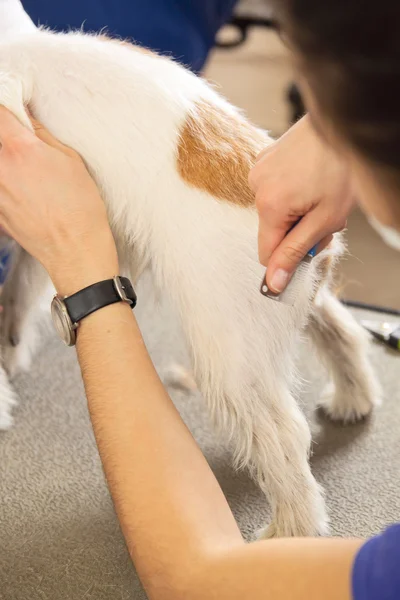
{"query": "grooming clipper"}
pixel 288 296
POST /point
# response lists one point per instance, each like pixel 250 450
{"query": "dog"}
pixel 171 158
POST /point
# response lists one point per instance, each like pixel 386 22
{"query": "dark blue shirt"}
pixel 376 571
pixel 185 29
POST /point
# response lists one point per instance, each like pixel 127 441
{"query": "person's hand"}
pixel 297 177
pixel 51 206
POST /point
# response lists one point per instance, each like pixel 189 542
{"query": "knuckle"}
pixel 268 200
pixel 338 226
pixel 294 253
pixel 341 225
pixel 334 222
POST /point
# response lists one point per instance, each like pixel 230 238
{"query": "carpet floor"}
pixel 60 539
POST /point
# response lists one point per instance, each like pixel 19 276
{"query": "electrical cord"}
pixel 372 307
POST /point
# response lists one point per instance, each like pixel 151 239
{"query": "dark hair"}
pixel 349 50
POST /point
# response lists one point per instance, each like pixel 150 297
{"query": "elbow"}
pixel 188 584
pixel 188 590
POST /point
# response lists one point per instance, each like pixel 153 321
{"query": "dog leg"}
pixel 21 298
pixel 7 400
pixel 269 434
pixel 241 348
pixel 343 345
pixel 278 461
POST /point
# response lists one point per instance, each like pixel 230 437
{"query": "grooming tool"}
pixel 288 294
pixel 387 332
pixel 5 261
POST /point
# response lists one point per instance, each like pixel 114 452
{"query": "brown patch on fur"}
pixel 216 152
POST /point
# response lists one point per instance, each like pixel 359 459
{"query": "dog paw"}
pixel 10 339
pixel 268 532
pixel 6 420
pixel 8 399
pixel 352 405
pixel 307 517
pixel 16 359
pixel 277 529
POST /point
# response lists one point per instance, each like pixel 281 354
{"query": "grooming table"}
pixel 59 536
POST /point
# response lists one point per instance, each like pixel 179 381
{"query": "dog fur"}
pixel 171 159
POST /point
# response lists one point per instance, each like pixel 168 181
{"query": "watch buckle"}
pixel 119 288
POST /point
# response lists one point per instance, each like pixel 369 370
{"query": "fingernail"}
pixel 279 280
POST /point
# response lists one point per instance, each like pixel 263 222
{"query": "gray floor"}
pixel 59 535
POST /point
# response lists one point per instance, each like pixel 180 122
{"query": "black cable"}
pixel 371 307
pixel 243 24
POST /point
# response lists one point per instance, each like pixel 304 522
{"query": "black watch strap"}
pixel 98 295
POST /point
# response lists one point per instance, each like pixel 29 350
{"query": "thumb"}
pixel 45 136
pixel 10 126
pixel 293 248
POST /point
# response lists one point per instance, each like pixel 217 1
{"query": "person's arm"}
pixel 298 177
pixel 179 529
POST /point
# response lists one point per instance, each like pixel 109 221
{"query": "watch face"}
pixel 62 321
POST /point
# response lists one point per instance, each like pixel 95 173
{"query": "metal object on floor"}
pixel 385 331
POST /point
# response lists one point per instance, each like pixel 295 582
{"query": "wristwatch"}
pixel 69 311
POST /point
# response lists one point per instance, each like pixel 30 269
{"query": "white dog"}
pixel 171 158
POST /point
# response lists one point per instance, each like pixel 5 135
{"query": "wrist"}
pixel 70 280
pixel 79 266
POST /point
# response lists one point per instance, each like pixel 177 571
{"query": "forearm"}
pixel 178 527
pixel 169 504
pixel 280 569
